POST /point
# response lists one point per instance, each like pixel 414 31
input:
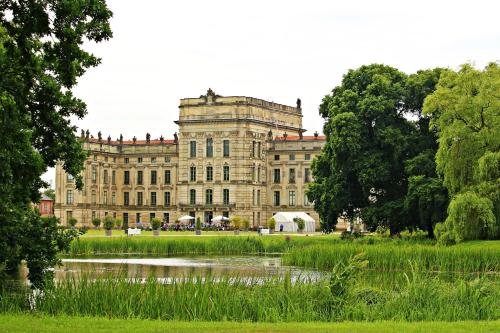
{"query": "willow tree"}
pixel 466 114
pixel 41 58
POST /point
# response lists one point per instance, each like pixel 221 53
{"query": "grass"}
pixel 420 298
pixel 397 256
pixel 48 324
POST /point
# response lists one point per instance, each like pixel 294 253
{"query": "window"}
pixel 253 173
pixel 192 149
pixel 153 198
pixel 69 197
pixel 113 198
pixel 153 159
pixel 225 196
pixel 126 160
pixel 140 177
pixel 126 178
pixel 126 198
pixel 225 149
pixel 277 175
pixel 276 157
pixel 166 217
pixel 105 176
pixel 105 158
pixel 192 174
pixel 114 215
pixel 291 198
pixel 306 200
pixel 93 198
pixel 167 177
pixel 258 150
pixel 253 197
pixel 291 176
pixel 153 177
pixel 253 149
pixel 209 197
pixel 258 197
pixel 210 147
pixel 139 159
pixel 258 174
pixel 167 199
pixel 210 173
pixel 93 214
pixel 70 178
pixel 95 157
pixel 105 198
pixel 94 174
pixel 139 199
pixel 137 217
pixel 69 215
pixel 291 157
pixel 167 159
pixel 307 175
pixel 114 159
pixel 226 173
pixel 276 198
pixel 307 157
pixel 125 219
pixel 192 197
pixel 113 177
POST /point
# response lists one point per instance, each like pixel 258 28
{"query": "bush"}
pixel 118 223
pixel 155 223
pixel 383 231
pixel 413 235
pixel 197 225
pixel 72 222
pixel 109 222
pixel 347 235
pixel 96 222
pixel 246 224
pixel 271 224
pixel 301 224
pixel 83 230
pixel 236 222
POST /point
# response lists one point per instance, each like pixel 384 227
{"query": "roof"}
pixel 304 138
pixel 289 216
pixel 131 142
pixel 46 198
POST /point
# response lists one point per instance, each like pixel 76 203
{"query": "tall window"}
pixel 140 177
pixel 226 173
pixel 192 148
pixel 277 175
pixel 125 219
pixel 192 197
pixel 126 178
pixel 209 197
pixel 139 159
pixel 93 198
pixel 225 196
pixel 167 199
pixel 126 160
pixel 210 173
pixel 291 157
pixel 137 217
pixel 210 147
pixel 113 177
pixel 166 217
pixel 94 174
pixel 167 177
pixel 258 174
pixel 258 150
pixel 192 174
pixel 105 198
pixel 291 198
pixel 126 198
pixel 153 159
pixel 225 145
pixel 153 177
pixel 307 157
pixel 253 173
pixel 307 175
pixel 253 149
pixel 153 198
pixel 291 176
pixel 276 198
pixel 139 199
pixel 258 197
pixel 69 197
pixel 105 176
pixel 113 198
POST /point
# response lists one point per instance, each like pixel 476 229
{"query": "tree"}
pixel 96 222
pixel 72 222
pixel 109 222
pixel 41 59
pixel 50 193
pixel 466 115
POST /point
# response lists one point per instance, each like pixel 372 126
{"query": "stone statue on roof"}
pixel 176 138
pixel 134 139
pixel 82 134
pixel 299 103
pixel 121 139
pixel 148 138
pixel 99 135
pixel 109 139
pixel 161 138
pixel 87 134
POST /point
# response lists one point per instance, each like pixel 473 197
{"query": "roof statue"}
pixel 87 134
pixel 121 138
pixel 82 134
pixel 161 138
pixel 99 135
pixel 176 138
pixel 134 139
pixel 148 138
pixel 109 139
pixel 299 103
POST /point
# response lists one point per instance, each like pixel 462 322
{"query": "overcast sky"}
pixel 163 51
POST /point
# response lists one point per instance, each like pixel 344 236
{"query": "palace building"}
pixel 233 156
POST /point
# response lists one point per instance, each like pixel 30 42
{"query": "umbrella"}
pixel 185 218
pixel 220 218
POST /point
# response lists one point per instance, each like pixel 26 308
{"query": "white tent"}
pixel 185 218
pixel 285 219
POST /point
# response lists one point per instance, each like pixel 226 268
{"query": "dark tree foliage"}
pixel 373 147
pixel 41 59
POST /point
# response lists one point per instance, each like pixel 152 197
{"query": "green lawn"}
pixel 44 324
pixel 120 233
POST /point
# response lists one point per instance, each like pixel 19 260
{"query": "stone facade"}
pixel 233 156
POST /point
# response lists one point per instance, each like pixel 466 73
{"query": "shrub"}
pixel 301 224
pixel 72 222
pixel 96 222
pixel 155 223
pixel 271 224
pixel 198 223
pixel 109 222
pixel 246 224
pixel 347 235
pixel 236 222
pixel 118 222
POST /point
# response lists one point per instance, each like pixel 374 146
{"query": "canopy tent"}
pixel 285 219
pixel 219 219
